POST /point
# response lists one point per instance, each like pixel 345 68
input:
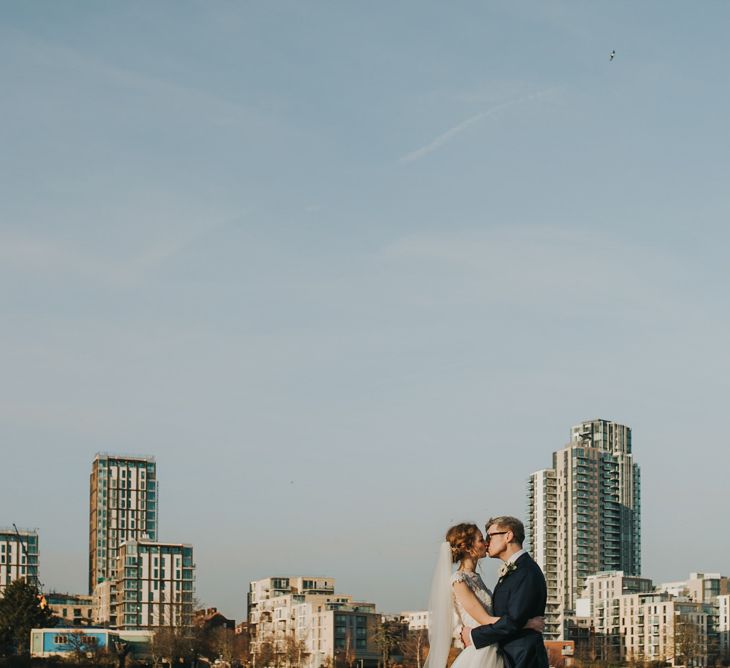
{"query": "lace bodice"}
pixel 476 584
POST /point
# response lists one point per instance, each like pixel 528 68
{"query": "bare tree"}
pixel 415 648
pixel 689 643
pixel 172 644
pixel 295 651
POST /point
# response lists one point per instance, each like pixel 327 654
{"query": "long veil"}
pixel 441 611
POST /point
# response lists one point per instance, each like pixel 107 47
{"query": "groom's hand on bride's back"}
pixel 466 635
pixel 536 624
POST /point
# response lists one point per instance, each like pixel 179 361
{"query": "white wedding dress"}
pixel 486 657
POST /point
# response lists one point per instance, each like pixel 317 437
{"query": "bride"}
pixel 462 599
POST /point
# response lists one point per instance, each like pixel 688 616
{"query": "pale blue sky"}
pixel 351 271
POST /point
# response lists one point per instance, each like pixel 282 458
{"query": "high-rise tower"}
pixel 584 515
pixel 18 556
pixel 123 506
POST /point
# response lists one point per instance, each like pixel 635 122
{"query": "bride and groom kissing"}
pixel 502 629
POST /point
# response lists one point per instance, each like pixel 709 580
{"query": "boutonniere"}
pixel 506 568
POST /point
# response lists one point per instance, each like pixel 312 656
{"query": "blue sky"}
pixel 351 271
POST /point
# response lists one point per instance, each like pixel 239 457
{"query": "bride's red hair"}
pixel 461 537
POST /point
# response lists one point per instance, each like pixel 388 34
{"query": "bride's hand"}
pixel 536 624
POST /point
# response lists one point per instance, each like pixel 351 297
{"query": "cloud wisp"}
pixel 447 136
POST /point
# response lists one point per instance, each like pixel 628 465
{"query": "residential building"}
pixel 600 605
pixel 541 530
pixel 123 506
pixel 658 627
pixel 417 620
pixel 704 588
pixel 18 556
pixel 67 641
pixel 102 603
pixel 306 614
pixel 71 609
pixel 723 625
pixel 584 516
pixel 154 586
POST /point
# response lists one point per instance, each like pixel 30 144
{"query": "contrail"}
pixel 452 132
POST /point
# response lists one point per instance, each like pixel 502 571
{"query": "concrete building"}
pixel 600 607
pixel 723 625
pixel 305 615
pixel 154 586
pixel 123 506
pixel 702 587
pixel 71 609
pixel 417 620
pixel 18 556
pixel 658 627
pixel 541 530
pixel 584 517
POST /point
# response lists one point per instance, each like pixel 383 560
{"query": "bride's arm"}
pixel 474 607
pixel 472 604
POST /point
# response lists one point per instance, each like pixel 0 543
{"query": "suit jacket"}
pixel 518 596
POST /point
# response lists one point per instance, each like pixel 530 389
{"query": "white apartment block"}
pixel 18 556
pixel 600 609
pixel 123 506
pixel 307 610
pixel 657 627
pixel 701 587
pixel 417 620
pixel 542 539
pixel 154 586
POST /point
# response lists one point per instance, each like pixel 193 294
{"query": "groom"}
pixel 519 595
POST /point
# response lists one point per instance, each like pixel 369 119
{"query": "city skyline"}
pixel 350 274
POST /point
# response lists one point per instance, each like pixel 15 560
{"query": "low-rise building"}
pixel 305 616
pixel 598 609
pixel 417 620
pixel 71 609
pixel 659 627
pixel 67 641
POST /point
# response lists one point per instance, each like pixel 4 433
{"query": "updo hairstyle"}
pixel 461 537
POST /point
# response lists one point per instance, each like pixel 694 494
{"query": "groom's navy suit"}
pixel 518 596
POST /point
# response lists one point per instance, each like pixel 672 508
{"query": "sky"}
pixel 350 271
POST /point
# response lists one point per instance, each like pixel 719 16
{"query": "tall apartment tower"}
pixel 18 556
pixel 584 515
pixel 123 506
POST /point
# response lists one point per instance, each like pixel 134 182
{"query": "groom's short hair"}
pixel 511 523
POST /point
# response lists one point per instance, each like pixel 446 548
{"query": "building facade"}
pixel 306 616
pixel 541 530
pixel 599 608
pixel 723 625
pixel 71 609
pixel 123 506
pixel 417 620
pixel 658 627
pixel 19 556
pixel 154 586
pixel 584 516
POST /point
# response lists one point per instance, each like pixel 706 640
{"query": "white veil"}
pixel 441 611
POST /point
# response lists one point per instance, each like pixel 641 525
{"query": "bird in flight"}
pixel 613 53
